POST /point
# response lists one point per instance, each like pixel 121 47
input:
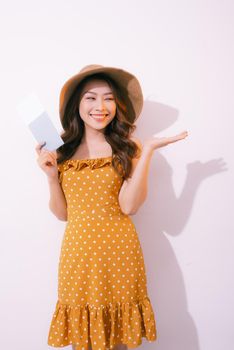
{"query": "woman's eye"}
pixel 109 98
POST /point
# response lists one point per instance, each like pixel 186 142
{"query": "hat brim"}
pixel 127 83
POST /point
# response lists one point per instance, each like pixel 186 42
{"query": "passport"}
pixel 38 121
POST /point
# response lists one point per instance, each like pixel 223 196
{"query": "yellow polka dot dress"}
pixel 102 287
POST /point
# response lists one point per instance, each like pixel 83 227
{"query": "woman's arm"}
pixel 47 161
pixel 57 202
pixel 134 190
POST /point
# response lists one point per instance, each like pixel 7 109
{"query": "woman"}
pixel 97 179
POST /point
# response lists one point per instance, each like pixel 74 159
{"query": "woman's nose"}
pixel 101 105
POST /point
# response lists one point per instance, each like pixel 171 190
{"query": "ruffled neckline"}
pixel 79 164
pixel 88 159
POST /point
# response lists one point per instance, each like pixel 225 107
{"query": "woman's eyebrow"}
pixel 91 92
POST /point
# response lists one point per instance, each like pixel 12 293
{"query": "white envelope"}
pixel 38 121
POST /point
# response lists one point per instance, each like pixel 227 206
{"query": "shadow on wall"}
pixel 162 213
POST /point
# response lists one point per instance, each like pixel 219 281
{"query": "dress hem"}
pixel 118 323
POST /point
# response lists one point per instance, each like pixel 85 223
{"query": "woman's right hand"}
pixel 47 161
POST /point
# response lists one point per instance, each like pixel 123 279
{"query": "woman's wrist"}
pixel 53 180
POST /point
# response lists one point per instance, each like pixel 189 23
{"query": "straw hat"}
pixel 127 83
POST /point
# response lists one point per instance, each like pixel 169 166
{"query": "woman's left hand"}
pixel 157 142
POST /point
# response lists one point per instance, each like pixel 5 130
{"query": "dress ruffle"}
pixel 79 164
pixel 108 325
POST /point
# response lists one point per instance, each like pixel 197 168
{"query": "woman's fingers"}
pixel 157 142
pixel 180 136
pixel 42 151
pixel 54 155
pixel 46 157
pixel 39 147
pixel 49 158
pixel 171 139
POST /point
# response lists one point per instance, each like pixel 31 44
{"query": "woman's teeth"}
pixel 99 116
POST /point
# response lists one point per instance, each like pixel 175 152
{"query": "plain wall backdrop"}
pixel 182 52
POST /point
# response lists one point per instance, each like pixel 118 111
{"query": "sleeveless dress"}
pixel 102 286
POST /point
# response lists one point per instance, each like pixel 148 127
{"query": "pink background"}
pixel 183 54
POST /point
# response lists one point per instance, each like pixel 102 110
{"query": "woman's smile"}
pixel 98 117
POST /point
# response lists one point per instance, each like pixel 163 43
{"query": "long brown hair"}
pixel 117 133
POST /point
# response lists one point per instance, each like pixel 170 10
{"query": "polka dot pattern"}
pixel 102 286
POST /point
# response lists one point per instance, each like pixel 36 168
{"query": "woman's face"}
pixel 97 106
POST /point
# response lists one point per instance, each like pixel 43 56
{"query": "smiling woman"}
pixel 103 301
pixel 100 106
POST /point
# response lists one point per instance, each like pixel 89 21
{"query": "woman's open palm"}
pixel 157 142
